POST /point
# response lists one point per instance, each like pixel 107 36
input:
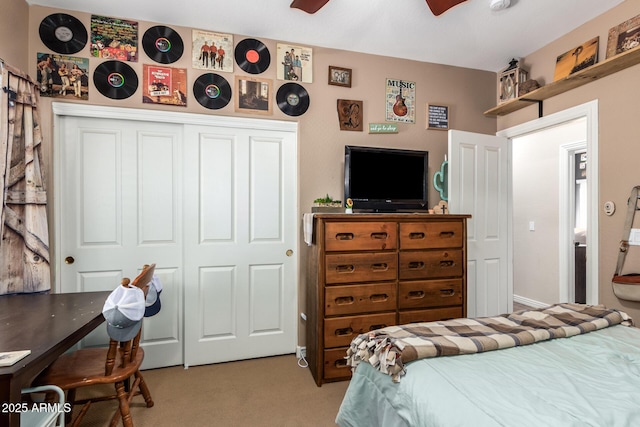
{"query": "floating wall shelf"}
pixel 602 69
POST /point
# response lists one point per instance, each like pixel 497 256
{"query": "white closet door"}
pixel 240 243
pixel 120 187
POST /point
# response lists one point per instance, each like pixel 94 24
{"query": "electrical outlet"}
pixel 301 352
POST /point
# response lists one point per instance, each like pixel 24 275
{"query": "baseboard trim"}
pixel 529 302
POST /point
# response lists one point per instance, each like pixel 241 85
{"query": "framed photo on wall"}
pixel 254 95
pixel 339 76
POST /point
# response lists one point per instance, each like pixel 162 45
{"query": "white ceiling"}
pixel 469 35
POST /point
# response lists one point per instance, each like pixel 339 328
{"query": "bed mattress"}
pixel 586 380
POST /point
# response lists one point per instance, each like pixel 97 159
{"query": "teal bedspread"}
pixel 585 380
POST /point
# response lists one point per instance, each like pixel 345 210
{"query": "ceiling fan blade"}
pixel 438 7
pixel 309 6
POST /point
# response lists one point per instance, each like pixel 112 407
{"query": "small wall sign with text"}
pixel 383 128
pixel 437 117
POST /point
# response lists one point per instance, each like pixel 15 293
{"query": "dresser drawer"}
pixel 366 298
pixel 339 331
pixel 430 293
pixel 360 267
pixel 431 235
pixel 335 364
pixel 431 315
pixel 359 236
pixel 431 264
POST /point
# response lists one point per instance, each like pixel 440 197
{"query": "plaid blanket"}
pixel 390 348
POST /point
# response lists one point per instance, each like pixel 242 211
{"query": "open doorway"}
pixel 578 178
pixel 545 202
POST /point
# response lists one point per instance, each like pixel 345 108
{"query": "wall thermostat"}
pixel 609 208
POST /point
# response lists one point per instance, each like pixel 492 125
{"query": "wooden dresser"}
pixel 368 271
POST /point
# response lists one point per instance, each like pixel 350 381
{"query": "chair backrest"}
pixel 128 349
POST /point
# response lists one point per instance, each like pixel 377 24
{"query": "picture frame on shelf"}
pixel 577 59
pixel 623 37
pixel 339 76
pixel 254 95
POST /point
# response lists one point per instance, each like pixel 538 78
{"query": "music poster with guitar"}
pixel 400 101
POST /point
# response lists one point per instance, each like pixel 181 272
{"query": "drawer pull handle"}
pixel 447 292
pixel 374 327
pixel 340 363
pixel 447 233
pixel 344 236
pixel 416 265
pixel 416 294
pixel 445 264
pixel 381 266
pixel 343 331
pixel 379 297
pixel 345 268
pixel 344 300
pixel 416 235
pixel 379 236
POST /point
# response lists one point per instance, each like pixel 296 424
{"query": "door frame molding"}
pixel 589 111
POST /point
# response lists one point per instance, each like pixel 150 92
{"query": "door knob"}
pixel 69 260
pixel 289 252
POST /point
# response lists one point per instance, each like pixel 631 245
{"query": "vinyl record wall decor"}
pixel 252 56
pixel 63 33
pixel 162 44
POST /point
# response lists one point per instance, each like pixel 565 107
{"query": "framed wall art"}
pixel 437 117
pixel 339 76
pixel 253 95
pixel 350 115
pixel 400 101
pixel 624 37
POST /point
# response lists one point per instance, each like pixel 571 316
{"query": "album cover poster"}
pixel 295 63
pixel 212 51
pixel 113 38
pixel 164 85
pixel 62 76
pixel 400 102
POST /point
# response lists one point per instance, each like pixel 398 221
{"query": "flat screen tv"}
pixel 386 179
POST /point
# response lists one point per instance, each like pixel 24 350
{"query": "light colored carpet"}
pixel 272 391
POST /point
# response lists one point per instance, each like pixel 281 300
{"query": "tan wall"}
pixel 321 144
pixel 14 40
pixel 619 133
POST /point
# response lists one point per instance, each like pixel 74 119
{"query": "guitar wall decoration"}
pixel 438 7
pixel 400 108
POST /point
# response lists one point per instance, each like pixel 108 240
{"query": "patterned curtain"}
pixel 24 244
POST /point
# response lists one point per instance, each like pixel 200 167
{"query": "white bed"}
pixel 591 379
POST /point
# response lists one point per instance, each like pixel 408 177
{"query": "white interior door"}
pixel 478 185
pixel 240 243
pixel 119 183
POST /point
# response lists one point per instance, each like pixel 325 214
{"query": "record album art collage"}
pixel 64 75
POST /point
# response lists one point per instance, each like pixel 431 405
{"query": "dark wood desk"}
pixel 48 325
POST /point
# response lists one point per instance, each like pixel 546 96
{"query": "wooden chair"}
pixel 92 366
